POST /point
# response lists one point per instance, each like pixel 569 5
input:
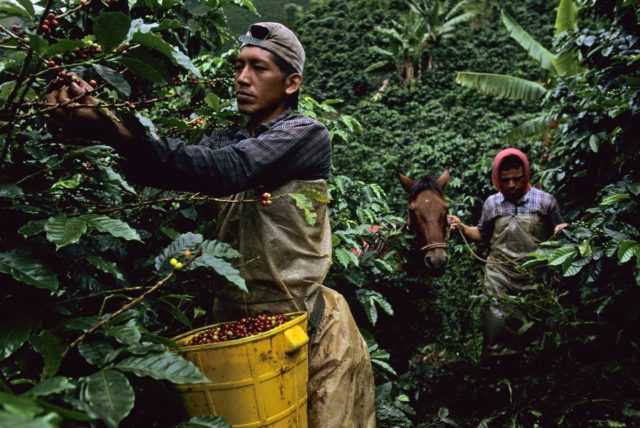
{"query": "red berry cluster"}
pixel 49 24
pixel 238 329
pixel 265 199
pixel 63 76
pixel 193 81
pixel 197 122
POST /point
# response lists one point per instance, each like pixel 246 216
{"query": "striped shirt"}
pixel 534 201
pixel 290 147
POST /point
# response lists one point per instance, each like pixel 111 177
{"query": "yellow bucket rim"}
pixel 296 318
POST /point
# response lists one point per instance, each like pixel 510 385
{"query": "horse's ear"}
pixel 406 182
pixel 443 179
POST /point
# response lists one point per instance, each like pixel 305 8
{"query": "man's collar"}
pixel 523 199
pixel 244 132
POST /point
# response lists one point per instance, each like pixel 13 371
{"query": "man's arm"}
pixel 471 232
pixel 296 149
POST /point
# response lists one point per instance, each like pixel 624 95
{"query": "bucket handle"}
pixel 295 339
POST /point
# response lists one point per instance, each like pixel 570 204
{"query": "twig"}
pixel 102 293
pixel 129 305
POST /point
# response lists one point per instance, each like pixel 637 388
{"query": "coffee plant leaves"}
pixel 19 420
pixel 346 258
pixel 148 69
pixel 68 183
pixel 247 4
pixel 369 299
pixel 627 249
pixel 105 266
pixel 10 191
pixel 109 395
pixel 54 385
pixel 39 44
pixel 304 203
pixel 222 268
pixel 14 333
pixel 81 323
pixel 205 422
pixel 51 349
pixel 165 366
pixel 62 46
pixel 114 78
pixel 23 268
pixel 26 4
pixel 63 231
pixel 97 352
pixel 152 41
pixel 183 242
pixel 127 334
pixel 111 29
pixel 9 9
pixel 219 249
pixel 114 227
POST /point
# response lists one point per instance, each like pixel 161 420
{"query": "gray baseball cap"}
pixel 277 39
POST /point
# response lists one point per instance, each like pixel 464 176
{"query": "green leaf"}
pixel 10 191
pixel 23 268
pixel 127 334
pixel 143 69
pixel 13 334
pixel 306 205
pixel 54 385
pixel 177 247
pixel 69 183
pixel 528 43
pixel 153 41
pixel 97 352
pixel 568 64
pixel 10 9
pixel 21 405
pixel 219 249
pixel 111 29
pixel 165 366
pixel 62 46
pixel 6 88
pixel 20 420
pixel 114 78
pixel 28 6
pixel 38 43
pixel 205 422
pixel 110 396
pixel 222 268
pixel 114 227
pixel 105 266
pixel 626 250
pixel 51 348
pixel 64 231
pixel 502 85
pixel 566 17
pixel 562 255
pixel 212 101
pixel 247 4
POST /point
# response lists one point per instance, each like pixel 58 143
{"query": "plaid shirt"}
pixel 292 146
pixel 535 201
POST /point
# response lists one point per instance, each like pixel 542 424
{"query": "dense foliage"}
pixel 89 296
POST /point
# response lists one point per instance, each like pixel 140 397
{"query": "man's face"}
pixel 512 183
pixel 259 83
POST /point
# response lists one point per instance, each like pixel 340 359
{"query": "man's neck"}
pixel 261 118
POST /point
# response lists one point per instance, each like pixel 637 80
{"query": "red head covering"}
pixel 495 172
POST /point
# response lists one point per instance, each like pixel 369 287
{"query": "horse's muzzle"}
pixel 436 262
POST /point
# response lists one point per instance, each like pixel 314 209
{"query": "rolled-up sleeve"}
pixel 297 148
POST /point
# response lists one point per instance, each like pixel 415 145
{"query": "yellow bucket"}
pixel 256 381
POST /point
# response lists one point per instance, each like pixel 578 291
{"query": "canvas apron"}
pixel 284 261
pixel 513 238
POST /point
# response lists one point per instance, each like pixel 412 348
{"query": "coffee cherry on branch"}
pixel 265 199
pixel 173 261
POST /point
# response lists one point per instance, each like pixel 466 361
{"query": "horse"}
pixel 428 218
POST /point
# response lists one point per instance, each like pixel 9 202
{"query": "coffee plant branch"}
pixel 105 292
pixel 81 5
pixel 129 305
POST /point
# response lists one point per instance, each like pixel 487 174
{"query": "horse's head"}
pixel 428 218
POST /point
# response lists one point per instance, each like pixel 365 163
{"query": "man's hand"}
pixel 559 227
pixel 471 232
pixel 78 114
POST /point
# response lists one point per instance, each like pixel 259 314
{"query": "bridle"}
pixel 432 246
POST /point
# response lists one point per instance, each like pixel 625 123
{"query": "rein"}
pixel 487 261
